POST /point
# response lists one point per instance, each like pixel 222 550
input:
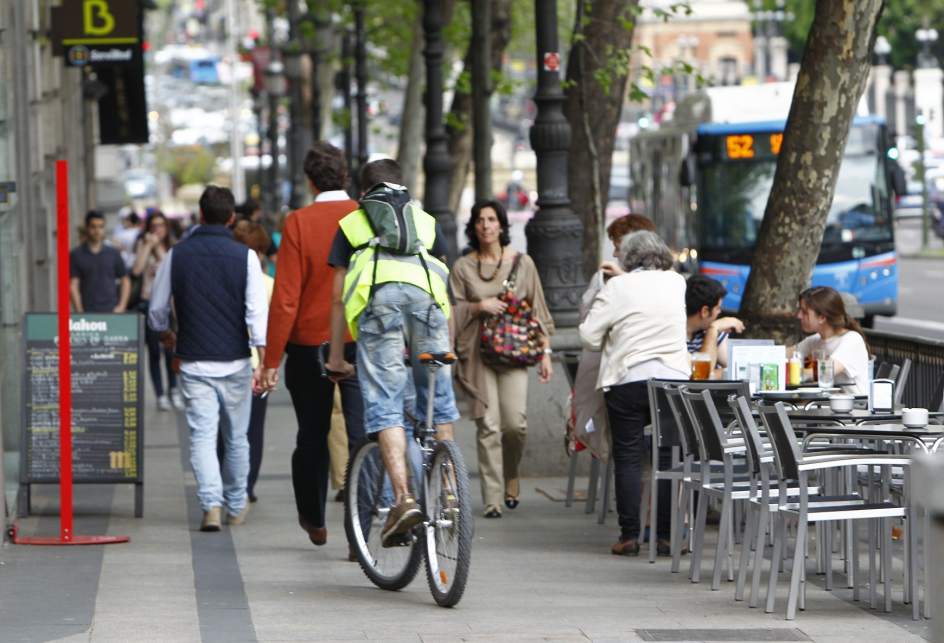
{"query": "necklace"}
pixel 478 267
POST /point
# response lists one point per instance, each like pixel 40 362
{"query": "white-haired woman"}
pixel 638 320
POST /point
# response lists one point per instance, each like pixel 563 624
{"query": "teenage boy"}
pixel 99 280
pixel 707 331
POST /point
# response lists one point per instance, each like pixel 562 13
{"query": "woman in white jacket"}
pixel 638 320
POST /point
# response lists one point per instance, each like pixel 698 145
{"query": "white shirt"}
pixel 847 349
pixel 257 315
pixel 332 195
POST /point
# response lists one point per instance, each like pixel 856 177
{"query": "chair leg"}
pixel 926 552
pixel 801 598
pixel 571 479
pixel 759 536
pixel 699 538
pixel 746 541
pixel 653 515
pixel 913 560
pixel 828 553
pixel 887 563
pixel 607 480
pixel 779 536
pixel 721 551
pixel 732 538
pixel 854 562
pixel 873 601
pixel 680 497
pixel 796 574
pixel 592 486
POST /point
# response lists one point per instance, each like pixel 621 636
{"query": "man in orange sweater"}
pixel 299 323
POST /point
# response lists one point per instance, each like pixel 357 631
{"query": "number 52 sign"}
pixel 96 32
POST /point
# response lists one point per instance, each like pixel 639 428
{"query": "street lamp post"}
pixel 343 85
pixel 555 233
pixel 436 162
pixel 360 75
pixel 926 37
pixel 275 89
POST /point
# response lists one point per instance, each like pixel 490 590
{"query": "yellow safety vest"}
pixel 390 267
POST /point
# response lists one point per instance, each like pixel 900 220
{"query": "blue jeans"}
pixel 219 404
pixel 401 316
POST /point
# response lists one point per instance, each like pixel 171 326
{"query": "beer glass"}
pixel 701 366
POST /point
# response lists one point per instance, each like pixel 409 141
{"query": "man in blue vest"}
pixel 221 307
pixel 392 303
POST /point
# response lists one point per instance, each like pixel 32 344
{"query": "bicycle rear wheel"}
pixel 368 499
pixel 448 534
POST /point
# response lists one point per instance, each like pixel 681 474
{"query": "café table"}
pixel 855 416
pixel 922 437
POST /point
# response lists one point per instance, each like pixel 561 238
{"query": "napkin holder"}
pixel 881 396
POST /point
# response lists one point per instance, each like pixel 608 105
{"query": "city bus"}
pixel 705 178
pixel 198 69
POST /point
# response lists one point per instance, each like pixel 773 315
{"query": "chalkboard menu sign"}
pixel 107 396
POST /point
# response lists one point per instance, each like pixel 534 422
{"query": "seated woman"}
pixel 838 335
pixel 638 321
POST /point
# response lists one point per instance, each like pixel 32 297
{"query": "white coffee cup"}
pixel 840 403
pixel 914 417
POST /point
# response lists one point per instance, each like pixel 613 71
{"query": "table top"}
pixel 801 395
pixel 855 415
pixel 878 431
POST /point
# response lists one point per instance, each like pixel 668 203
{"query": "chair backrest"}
pixel 902 380
pixel 691 446
pixel 882 370
pixel 893 373
pixel 705 420
pixel 720 391
pixel 786 450
pixel 665 430
pixel 745 419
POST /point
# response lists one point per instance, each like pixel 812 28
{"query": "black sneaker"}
pixel 401 520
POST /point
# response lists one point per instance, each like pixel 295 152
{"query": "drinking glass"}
pixel 825 368
pixel 701 366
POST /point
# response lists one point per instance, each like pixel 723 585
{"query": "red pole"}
pixel 65 354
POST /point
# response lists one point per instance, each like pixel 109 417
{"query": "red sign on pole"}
pixel 551 61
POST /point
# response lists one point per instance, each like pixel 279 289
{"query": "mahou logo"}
pixel 84 325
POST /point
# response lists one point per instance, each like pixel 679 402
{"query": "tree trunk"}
pixel 833 75
pixel 460 136
pixel 412 119
pixel 594 112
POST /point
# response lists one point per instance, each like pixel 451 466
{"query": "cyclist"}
pixel 390 289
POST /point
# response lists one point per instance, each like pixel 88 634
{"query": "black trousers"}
pixel 256 434
pixel 313 399
pixel 157 351
pixel 627 407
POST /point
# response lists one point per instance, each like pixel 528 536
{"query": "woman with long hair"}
pixel 499 394
pixel 150 250
pixel 823 313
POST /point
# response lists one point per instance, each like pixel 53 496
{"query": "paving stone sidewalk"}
pixel 541 573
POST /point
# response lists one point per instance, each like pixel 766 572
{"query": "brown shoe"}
pixel 317 535
pixel 625 547
pixel 401 520
pixel 237 519
pixel 212 519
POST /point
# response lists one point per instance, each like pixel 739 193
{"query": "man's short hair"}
pixel 326 167
pixel 93 214
pixel 702 291
pixel 380 171
pixel 217 205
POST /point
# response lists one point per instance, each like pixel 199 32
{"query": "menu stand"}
pixel 66 534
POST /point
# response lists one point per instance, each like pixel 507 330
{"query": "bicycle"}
pixel 444 537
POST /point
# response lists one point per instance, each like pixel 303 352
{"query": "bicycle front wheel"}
pixel 368 500
pixel 448 533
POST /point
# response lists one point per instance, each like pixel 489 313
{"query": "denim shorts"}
pixel 401 316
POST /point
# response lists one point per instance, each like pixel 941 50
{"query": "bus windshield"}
pixel 733 195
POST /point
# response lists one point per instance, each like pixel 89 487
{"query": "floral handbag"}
pixel 512 338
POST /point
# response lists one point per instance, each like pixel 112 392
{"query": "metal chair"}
pixel 795 466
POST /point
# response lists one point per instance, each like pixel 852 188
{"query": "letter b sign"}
pixel 97 20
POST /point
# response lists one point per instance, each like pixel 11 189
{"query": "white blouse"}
pixel 847 349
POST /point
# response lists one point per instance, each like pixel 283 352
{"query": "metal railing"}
pixel 925 385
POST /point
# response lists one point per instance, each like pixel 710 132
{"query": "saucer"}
pixel 922 425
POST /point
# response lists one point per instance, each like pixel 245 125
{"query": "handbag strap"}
pixel 509 284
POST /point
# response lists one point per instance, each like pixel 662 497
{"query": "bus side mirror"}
pixel 687 172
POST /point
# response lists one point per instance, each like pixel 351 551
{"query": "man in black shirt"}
pixel 97 272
